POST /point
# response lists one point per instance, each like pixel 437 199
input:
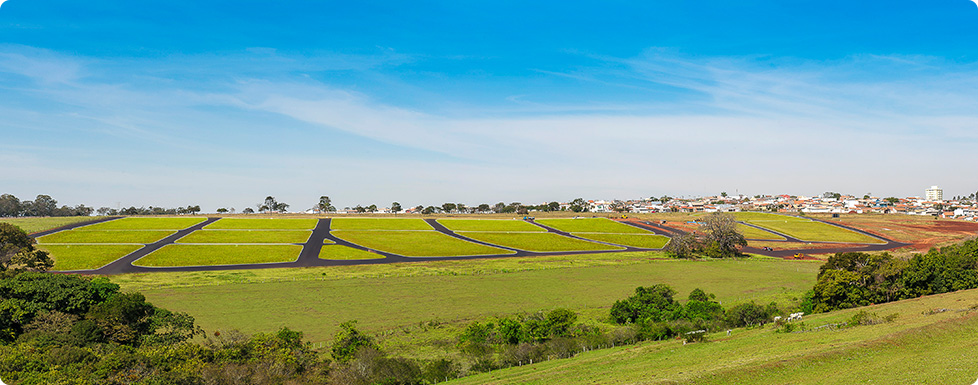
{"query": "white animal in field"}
pixel 776 319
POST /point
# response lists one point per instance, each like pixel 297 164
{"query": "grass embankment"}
pixel 591 225
pixel 110 236
pixel 539 242
pixel 645 241
pixel 146 223
pixel 246 236
pixel 804 229
pixel 340 252
pixel 86 257
pixel 917 348
pixel 33 225
pixel 413 243
pixel 263 224
pixel 378 224
pixel 206 255
pixel 396 296
pixel 489 225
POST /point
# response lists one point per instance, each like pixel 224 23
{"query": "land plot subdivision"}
pixel 490 225
pixel 246 236
pixel 538 242
pixel 36 224
pixel 645 241
pixel 263 224
pixel 419 243
pixel 379 224
pixel 86 257
pixel 207 255
pixel 591 225
pixel 132 223
pixel 340 252
pixel 805 229
pixel 107 236
pixel 755 233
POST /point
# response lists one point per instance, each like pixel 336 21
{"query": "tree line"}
pixel 41 206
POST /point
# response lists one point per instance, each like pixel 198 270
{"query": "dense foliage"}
pixel 718 238
pixel 17 251
pixel 850 280
pixel 41 206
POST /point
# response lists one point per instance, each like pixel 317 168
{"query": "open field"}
pixel 634 240
pixel 591 225
pixel 416 243
pixel 916 348
pixel 378 224
pixel 111 236
pixel 246 236
pixel 539 242
pixel 36 224
pixel 755 233
pixel 922 231
pixel 86 257
pixel 804 229
pixel 489 225
pixel 263 224
pixel 146 223
pixel 200 255
pixel 346 253
pixel 381 297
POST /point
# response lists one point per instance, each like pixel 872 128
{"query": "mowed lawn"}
pixel 263 224
pixel 489 225
pixel 539 242
pixel 144 223
pixel 591 225
pixel 86 257
pixel 916 348
pixel 246 236
pixel 341 252
pixel 110 236
pixel 634 240
pixel 206 255
pixel 378 224
pixel 416 243
pixel 33 225
pixel 755 233
pixel 805 229
pixel 389 296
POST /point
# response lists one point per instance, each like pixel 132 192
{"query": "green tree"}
pixel 348 340
pixel 722 236
pixel 683 245
pixel 553 206
pixel 222 210
pixel 448 207
pixel 579 205
pixel 428 210
pixel 325 205
pixel 10 206
pixel 395 208
pixel 484 208
pixel 17 251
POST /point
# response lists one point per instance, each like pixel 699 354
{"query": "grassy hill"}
pixel 923 345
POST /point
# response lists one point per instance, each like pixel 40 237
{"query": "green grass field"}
pixel 112 236
pixel 540 242
pixel 146 223
pixel 86 257
pixel 206 255
pixel 246 236
pixel 755 233
pixel 916 348
pixel 591 225
pixel 346 253
pixel 378 224
pixel 33 225
pixel 489 225
pixel 634 240
pixel 804 229
pixel 263 224
pixel 416 243
pixel 390 296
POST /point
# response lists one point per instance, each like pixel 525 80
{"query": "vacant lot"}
pixel 923 232
pixel 804 229
pixel 539 242
pixel 141 223
pixel 634 240
pixel 86 257
pixel 111 236
pixel 263 224
pixel 201 255
pixel 246 236
pixel 33 225
pixel 345 253
pixel 755 233
pixel 416 243
pixel 378 224
pixel 489 225
pixel 591 225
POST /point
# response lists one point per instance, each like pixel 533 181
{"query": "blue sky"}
pixel 223 103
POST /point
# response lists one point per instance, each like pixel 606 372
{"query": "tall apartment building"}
pixel 934 194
